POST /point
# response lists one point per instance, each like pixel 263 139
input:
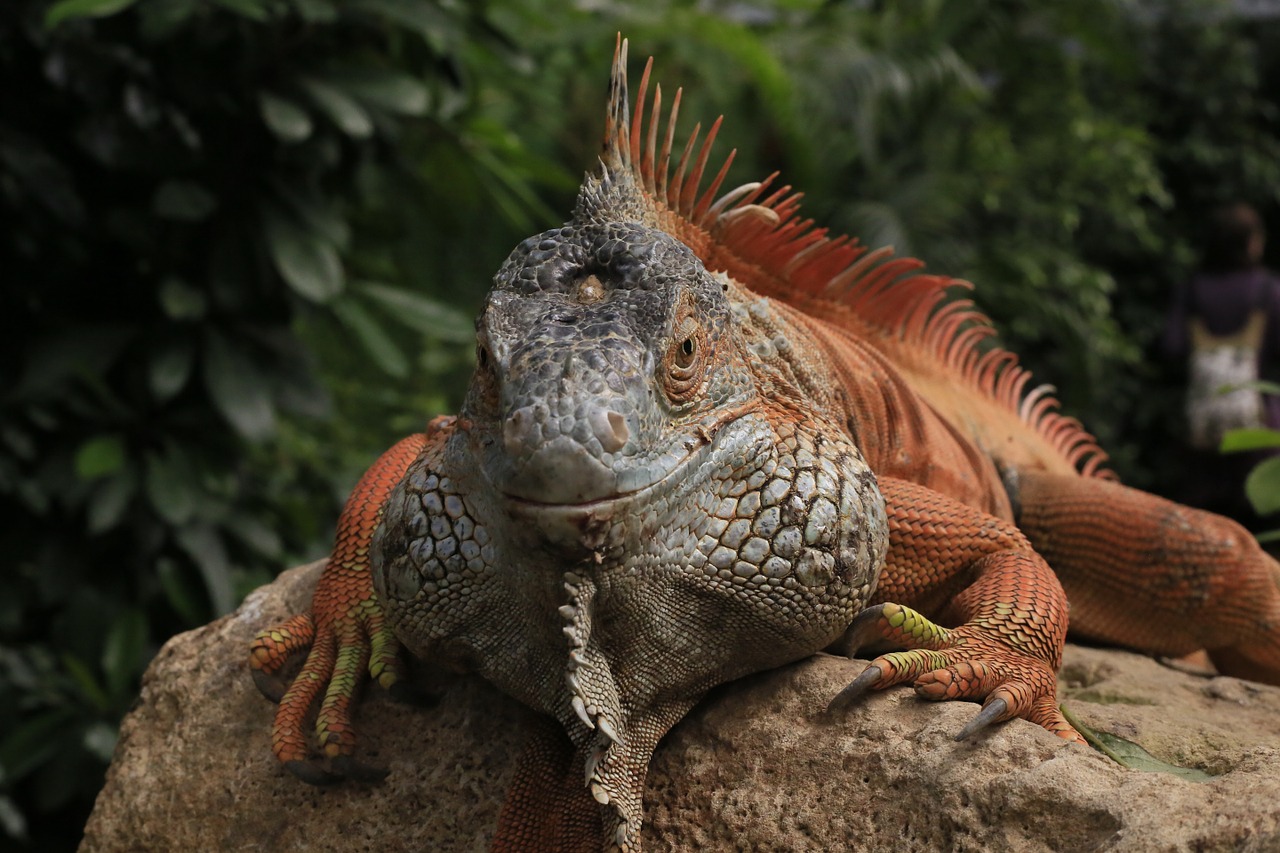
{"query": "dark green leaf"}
pixel 239 389
pixel 1249 439
pixel 185 201
pixel 427 18
pixel 203 545
pixel 110 500
pixel 375 340
pixel 100 456
pixel 84 679
pixel 123 649
pixel 1262 486
pixel 256 535
pixel 171 487
pixel 12 821
pixel 341 109
pixel 316 11
pixel 308 264
pixel 66 9
pixel 255 10
pixel 421 313
pixel 286 119
pixel 31 743
pixel 392 91
pixel 1129 754
pixel 171 367
pixel 100 740
pixel 77 351
pixel 314 212
pixel 180 594
pixel 181 301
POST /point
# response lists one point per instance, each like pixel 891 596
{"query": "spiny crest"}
pixel 754 233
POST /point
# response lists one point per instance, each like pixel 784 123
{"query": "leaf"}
pixel 1129 754
pixel 256 535
pixel 341 109
pixel 310 266
pixel 99 457
pixel 392 91
pixel 170 486
pixel 30 744
pixel 376 342
pixel 110 501
pixel 122 650
pixel 286 120
pixel 67 9
pixel 254 10
pixel 184 201
pixel 179 592
pixel 1249 439
pixel 11 819
pixel 100 740
pixel 1262 486
pixel 421 313
pixel 181 301
pixel 426 18
pixel 170 368
pixel 203 545
pixel 314 213
pixel 84 679
pixel 239 389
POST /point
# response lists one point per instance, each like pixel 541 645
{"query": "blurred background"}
pixel 242 241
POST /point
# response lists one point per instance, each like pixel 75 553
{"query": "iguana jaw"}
pixel 584 524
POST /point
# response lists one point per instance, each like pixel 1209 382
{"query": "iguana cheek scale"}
pixel 705 439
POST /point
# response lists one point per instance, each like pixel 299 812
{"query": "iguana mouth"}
pixel 616 499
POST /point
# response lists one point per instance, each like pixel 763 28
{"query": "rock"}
pixel 758 765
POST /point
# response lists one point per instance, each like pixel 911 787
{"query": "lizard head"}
pixel 604 363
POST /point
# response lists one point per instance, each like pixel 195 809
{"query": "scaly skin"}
pixel 704 439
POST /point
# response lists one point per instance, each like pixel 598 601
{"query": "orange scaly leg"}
pixel 1146 572
pixel 344 636
pixel 1010 609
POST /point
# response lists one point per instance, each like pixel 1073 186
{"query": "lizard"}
pixel 705 438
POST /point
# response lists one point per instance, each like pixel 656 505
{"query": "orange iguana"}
pixel 704 439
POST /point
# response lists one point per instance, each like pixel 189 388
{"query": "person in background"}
pixel 1225 322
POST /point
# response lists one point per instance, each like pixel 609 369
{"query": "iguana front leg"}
pixel 344 636
pixel 976 572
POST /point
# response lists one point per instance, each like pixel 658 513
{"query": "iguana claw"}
pixel 312 772
pixel 859 686
pixel 994 711
pixel 269 685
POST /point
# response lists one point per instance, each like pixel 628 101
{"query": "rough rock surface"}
pixel 756 766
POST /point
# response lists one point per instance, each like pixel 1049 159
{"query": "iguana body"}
pixel 701 439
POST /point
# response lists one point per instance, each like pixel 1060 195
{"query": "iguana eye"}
pixel 688 349
pixel 684 361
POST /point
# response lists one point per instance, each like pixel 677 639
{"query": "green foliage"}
pixel 188 189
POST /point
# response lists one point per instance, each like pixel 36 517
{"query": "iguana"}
pixel 704 438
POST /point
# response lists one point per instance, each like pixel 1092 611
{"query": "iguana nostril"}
pixel 610 429
pixel 521 431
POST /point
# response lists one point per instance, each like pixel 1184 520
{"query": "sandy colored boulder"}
pixel 758 765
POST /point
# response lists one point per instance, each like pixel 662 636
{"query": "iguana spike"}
pixel 766 242
pixel 617 148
